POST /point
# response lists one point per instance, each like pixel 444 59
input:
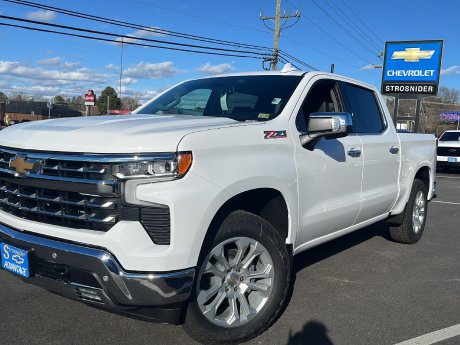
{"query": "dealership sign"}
pixel 450 116
pixel 412 67
pixel 90 98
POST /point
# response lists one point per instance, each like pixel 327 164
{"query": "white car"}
pixel 196 204
pixel 448 151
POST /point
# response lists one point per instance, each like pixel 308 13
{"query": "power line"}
pixel 366 46
pixel 134 26
pixel 131 37
pixel 129 43
pixel 353 26
pixel 198 17
pixel 320 51
pixel 282 53
pixel 362 22
pixel 145 28
pixel 335 39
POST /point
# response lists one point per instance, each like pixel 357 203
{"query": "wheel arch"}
pixel 266 202
pixel 423 173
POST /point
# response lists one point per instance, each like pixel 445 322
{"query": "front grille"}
pixel 75 191
pixel 70 209
pixel 449 151
pixel 64 167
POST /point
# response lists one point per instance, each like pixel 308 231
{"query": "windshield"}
pixel 242 98
pixel 450 136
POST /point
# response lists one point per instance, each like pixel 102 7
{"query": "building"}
pixel 21 111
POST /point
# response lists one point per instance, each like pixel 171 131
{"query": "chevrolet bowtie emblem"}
pixel 412 55
pixel 21 166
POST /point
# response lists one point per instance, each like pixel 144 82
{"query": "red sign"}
pixel 90 98
pixel 119 112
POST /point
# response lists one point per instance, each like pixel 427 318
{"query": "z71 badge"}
pixel 274 134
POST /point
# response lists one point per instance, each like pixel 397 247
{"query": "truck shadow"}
pixel 325 250
pixel 315 332
pixel 312 333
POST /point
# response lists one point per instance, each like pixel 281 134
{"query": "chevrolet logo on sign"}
pixel 412 55
pixel 21 166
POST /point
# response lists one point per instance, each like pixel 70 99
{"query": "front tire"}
pixel 242 282
pixel 411 229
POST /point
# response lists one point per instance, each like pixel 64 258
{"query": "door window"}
pixel 363 106
pixel 322 97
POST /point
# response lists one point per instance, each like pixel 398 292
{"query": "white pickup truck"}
pixel 192 208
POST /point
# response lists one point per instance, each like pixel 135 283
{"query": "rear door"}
pixel 381 150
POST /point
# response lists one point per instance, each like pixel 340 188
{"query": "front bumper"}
pixel 94 276
pixel 446 164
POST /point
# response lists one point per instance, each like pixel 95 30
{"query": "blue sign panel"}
pixel 15 260
pixel 412 67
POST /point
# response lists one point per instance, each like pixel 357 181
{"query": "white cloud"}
pixel 128 81
pixel 59 62
pixel 450 70
pixel 70 65
pixel 367 67
pixel 22 70
pixel 144 70
pixel 207 68
pixel 111 67
pixel 44 16
pixel 51 62
pixel 149 32
pixel 146 33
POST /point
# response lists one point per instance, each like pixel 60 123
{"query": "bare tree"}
pixel 131 103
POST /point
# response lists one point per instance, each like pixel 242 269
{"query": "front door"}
pixel 329 176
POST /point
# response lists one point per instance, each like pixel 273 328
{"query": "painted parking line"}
pixel 445 202
pixel 434 337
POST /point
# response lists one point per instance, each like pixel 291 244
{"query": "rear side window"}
pixel 363 106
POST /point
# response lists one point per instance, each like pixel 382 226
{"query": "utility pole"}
pixel 49 105
pixel 108 104
pixel 121 66
pixel 277 31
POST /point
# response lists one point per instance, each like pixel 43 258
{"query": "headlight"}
pixel 173 167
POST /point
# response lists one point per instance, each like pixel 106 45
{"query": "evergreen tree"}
pixel 108 95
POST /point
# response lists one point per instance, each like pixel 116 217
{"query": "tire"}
pixel 254 283
pixel 411 229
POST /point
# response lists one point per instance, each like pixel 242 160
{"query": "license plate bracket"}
pixel 15 260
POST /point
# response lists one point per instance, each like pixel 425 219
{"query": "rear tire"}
pixel 411 229
pixel 242 282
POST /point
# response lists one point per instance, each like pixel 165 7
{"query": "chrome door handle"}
pixel 354 152
pixel 394 149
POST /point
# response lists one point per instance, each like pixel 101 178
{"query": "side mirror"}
pixel 332 125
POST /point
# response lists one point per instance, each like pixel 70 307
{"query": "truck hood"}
pixel 109 134
pixel 449 143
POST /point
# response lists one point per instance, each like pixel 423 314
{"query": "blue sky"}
pixel 44 64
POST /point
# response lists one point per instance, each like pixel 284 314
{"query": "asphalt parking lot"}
pixel 359 289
